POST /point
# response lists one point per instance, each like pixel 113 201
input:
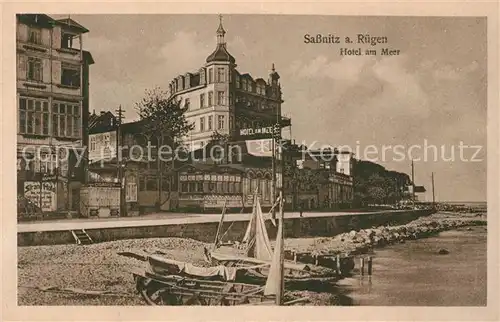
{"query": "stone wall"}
pixel 205 232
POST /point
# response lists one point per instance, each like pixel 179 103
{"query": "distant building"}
pixel 221 99
pixel 141 178
pixel 52 107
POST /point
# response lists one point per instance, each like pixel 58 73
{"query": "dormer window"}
pixel 35 36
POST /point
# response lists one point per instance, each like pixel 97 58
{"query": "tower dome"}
pixel 220 53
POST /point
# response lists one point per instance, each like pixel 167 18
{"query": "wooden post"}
pixel 370 265
pixel 337 262
pixel 362 265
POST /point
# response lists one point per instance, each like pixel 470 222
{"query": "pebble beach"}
pixel 99 267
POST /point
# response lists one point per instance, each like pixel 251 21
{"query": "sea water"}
pixel 414 274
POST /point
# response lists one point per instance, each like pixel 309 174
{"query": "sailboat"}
pixel 168 282
pixel 255 251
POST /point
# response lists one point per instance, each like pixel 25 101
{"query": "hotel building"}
pixel 219 98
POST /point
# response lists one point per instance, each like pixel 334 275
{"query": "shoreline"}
pixel 99 267
pixel 364 241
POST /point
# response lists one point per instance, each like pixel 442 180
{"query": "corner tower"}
pixel 220 67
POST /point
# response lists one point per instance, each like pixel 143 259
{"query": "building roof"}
pixel 103 122
pixel 68 22
pixel 41 20
pixel 221 55
pixel 87 57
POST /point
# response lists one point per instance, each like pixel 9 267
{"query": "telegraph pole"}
pixel 280 156
pixel 433 195
pixel 413 182
pixel 119 112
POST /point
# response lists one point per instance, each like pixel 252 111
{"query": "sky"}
pixel 432 94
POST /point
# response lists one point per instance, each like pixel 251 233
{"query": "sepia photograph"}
pixel 235 159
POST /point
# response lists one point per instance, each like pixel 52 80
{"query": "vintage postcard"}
pixel 339 161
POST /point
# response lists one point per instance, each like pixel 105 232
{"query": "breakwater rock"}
pixel 362 241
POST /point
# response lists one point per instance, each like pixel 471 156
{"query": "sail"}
pixel 274 278
pixel 259 245
pixel 250 228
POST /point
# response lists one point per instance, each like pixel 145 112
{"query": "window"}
pixel 70 75
pixel 35 69
pixel 220 75
pixel 210 122
pixel 210 98
pixel 230 122
pixel 186 103
pixel 244 83
pixel 220 122
pixel 238 84
pixel 35 36
pixel 202 124
pixel 46 163
pixel 210 75
pixel 67 40
pixel 220 98
pixel 92 144
pixel 33 116
pixel 66 119
pixel 202 100
pixel 230 98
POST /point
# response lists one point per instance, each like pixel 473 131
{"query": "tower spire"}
pixel 220 32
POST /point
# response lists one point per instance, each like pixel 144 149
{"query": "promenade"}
pixel 161 219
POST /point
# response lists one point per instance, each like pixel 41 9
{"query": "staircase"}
pixel 81 237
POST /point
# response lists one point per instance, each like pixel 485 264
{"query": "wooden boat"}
pixel 170 282
pixel 255 248
pixel 157 289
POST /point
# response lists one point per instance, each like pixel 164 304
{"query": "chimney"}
pixel 102 112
